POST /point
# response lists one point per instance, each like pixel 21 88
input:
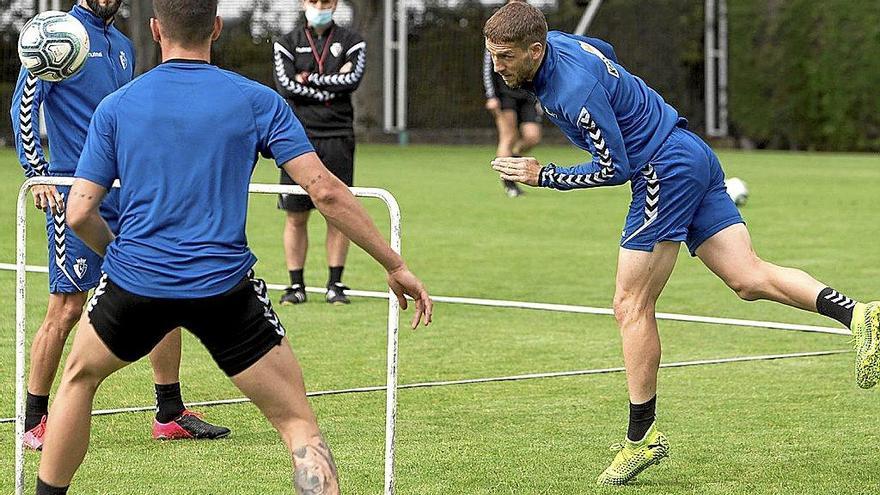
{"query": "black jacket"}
pixel 323 103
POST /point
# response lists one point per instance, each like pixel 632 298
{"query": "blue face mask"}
pixel 317 17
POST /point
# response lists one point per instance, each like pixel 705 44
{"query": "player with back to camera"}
pixel 74 269
pixel 318 66
pixel 181 257
pixel 678 196
pixel 517 117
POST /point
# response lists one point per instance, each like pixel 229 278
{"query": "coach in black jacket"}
pixel 317 67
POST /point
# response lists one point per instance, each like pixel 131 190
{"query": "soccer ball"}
pixel 53 46
pixel 737 190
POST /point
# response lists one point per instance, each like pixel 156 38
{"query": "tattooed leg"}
pixel 314 471
pixel 275 385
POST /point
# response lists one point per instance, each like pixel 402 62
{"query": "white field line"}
pixel 469 381
pixel 567 308
pixel 563 308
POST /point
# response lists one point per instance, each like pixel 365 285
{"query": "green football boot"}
pixel 866 341
pixel 634 457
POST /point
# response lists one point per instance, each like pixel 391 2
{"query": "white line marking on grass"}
pixel 563 308
pixel 470 381
pixel 567 308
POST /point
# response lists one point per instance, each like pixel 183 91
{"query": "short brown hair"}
pixel 188 22
pixel 516 22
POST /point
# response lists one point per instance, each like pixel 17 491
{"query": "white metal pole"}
pixel 711 83
pixel 388 67
pixel 56 4
pixel 587 19
pixel 43 5
pixel 723 128
pixel 402 29
pixel 20 336
pixel 392 358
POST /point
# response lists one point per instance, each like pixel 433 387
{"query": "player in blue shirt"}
pixel 74 269
pixel 183 140
pixel 678 196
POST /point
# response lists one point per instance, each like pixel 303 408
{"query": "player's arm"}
pixel 599 129
pixel 25 113
pixel 350 75
pixel 95 173
pixel 492 103
pixel 339 206
pixel 84 216
pixel 283 138
pixel 285 77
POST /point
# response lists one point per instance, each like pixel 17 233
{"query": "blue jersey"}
pixel 183 140
pixel 602 109
pixel 68 105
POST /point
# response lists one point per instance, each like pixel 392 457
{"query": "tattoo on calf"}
pixel 314 471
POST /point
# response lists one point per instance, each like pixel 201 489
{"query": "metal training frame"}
pixel 20 315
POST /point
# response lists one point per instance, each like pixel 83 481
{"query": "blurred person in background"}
pixel 318 66
pixel 517 117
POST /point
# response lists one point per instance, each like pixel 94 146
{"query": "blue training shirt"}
pixel 68 105
pixel 183 140
pixel 601 108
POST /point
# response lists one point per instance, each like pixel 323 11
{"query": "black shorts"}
pixel 525 106
pixel 237 327
pixel 337 153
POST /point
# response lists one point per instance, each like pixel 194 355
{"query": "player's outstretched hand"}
pixel 404 282
pixel 48 197
pixel 523 170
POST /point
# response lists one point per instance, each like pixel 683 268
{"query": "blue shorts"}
pixel 679 196
pixel 73 266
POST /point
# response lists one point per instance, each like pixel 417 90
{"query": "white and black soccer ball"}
pixel 53 45
pixel 737 190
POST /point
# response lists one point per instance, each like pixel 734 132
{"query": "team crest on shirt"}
pixel 336 49
pixel 80 267
pixel 123 60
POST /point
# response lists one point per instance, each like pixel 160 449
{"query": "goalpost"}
pixel 21 315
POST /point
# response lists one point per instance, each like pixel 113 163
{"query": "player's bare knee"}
pixel 629 307
pixel 78 372
pixel 61 318
pixel 297 220
pixel 750 284
pixel 530 139
pixel 748 287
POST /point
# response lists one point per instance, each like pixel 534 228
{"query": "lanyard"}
pixel 323 56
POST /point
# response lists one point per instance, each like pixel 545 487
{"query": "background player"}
pixel 678 196
pixel 173 265
pixel 517 117
pixel 74 269
pixel 317 67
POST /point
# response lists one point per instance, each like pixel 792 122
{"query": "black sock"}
pixel 45 489
pixel 35 408
pixel 296 277
pixel 169 404
pixel 835 305
pixel 335 275
pixel 641 417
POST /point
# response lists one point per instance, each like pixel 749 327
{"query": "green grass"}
pixel 794 426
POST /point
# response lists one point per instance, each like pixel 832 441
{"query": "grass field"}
pixel 781 427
